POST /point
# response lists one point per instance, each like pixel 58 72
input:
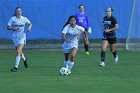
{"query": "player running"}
pixel 17 24
pixel 70 36
pixel 82 20
pixel 109 35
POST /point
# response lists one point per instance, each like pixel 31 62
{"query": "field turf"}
pixel 87 77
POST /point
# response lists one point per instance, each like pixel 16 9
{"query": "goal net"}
pixel 133 38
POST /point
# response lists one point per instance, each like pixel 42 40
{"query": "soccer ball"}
pixel 64 71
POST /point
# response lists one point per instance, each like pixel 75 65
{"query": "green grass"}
pixel 87 77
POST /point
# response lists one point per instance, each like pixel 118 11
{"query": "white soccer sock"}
pixel 70 65
pixel 23 57
pixel 65 64
pixel 17 61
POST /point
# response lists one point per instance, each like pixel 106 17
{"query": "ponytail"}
pixel 66 24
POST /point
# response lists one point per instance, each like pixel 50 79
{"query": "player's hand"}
pixel 107 30
pixel 16 29
pixel 89 30
pixel 29 29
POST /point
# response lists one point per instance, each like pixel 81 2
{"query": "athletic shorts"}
pixel 86 29
pixel 67 47
pixel 111 40
pixel 19 39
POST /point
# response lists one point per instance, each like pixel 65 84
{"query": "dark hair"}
pixel 72 16
pixel 82 5
pixel 16 9
pixel 109 8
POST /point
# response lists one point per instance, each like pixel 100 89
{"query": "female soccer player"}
pixel 17 24
pixel 109 36
pixel 82 20
pixel 70 36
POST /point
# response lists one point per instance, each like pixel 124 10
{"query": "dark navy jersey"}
pixel 108 24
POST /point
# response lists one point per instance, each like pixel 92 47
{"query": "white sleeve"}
pixel 65 29
pixel 10 22
pixel 27 21
pixel 81 29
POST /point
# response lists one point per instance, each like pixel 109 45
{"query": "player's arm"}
pixel 89 28
pixel 87 21
pixel 12 28
pixel 64 38
pixel 116 26
pixel 79 37
pixel 64 35
pixel 29 26
pixel 112 29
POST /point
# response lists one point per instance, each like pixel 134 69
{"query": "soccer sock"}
pixel 17 61
pixel 114 53
pixel 23 57
pixel 70 65
pixel 102 56
pixel 65 64
pixel 86 47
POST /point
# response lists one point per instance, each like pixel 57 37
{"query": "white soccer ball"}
pixel 64 71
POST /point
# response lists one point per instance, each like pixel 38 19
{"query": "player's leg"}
pixel 18 57
pixel 67 57
pixel 66 51
pixel 72 58
pixel 113 49
pixel 23 41
pixel 86 43
pixel 103 50
pixel 25 60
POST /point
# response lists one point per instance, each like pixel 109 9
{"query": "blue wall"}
pixel 49 16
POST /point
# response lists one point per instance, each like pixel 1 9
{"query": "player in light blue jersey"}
pixel 17 24
pixel 71 36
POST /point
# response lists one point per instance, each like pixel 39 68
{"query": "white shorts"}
pixel 19 39
pixel 67 47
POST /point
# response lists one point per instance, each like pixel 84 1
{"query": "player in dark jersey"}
pixel 109 36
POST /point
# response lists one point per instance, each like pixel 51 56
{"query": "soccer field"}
pixel 87 77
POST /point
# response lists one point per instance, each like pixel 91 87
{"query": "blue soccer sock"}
pixel 70 65
pixel 65 64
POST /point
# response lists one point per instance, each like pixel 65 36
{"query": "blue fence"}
pixel 49 16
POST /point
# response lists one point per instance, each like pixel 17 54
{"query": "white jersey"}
pixel 71 35
pixel 19 23
pixel 18 36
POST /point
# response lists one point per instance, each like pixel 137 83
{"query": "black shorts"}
pixel 111 40
pixel 86 29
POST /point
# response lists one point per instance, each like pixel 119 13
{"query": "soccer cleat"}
pixel 87 53
pixel 14 69
pixel 25 64
pixel 102 64
pixel 116 59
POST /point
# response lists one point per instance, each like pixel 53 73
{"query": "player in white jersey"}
pixel 71 36
pixel 17 24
